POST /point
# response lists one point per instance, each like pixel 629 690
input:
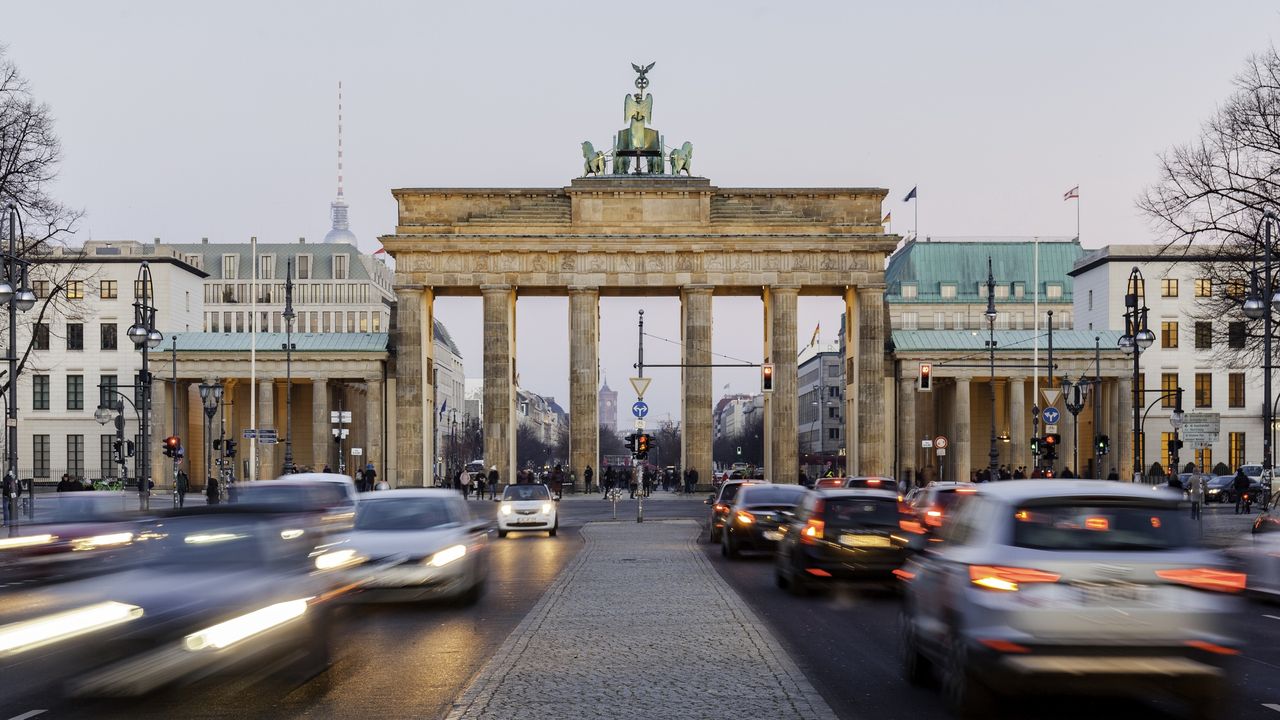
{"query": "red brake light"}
pixel 1206 578
pixel 720 508
pixel 1008 579
pixel 744 518
pixel 873 481
pixel 933 517
pixel 812 531
pixel 911 526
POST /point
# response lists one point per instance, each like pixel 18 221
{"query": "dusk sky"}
pixel 183 121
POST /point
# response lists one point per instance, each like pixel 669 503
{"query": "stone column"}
pixel 695 388
pixel 499 379
pixel 410 397
pixel 1019 437
pixel 584 383
pixel 267 419
pixel 784 440
pixel 908 438
pixel 373 415
pixel 321 437
pixel 871 410
pixel 961 451
pixel 161 423
pixel 851 381
pixel 1123 439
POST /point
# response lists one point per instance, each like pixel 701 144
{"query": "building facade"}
pixel 1183 355
pixel 821 405
pixel 607 407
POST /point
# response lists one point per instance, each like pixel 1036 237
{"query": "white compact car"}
pixel 419 544
pixel 527 507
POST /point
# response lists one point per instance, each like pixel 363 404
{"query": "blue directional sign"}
pixel 1051 416
pixel 639 408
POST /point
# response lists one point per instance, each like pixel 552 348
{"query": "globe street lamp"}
pixel 993 464
pixel 1137 337
pixel 288 316
pixel 145 337
pixel 13 275
pixel 211 397
pixel 1256 307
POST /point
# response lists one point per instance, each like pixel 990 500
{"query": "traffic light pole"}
pixel 639 456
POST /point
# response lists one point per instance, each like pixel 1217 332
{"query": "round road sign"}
pixel 940 442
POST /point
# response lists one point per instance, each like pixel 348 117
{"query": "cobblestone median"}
pixel 640 626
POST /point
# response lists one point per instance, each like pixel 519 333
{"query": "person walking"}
pixel 211 494
pixel 1113 475
pixel 466 484
pixel 1196 493
pixel 181 485
pixel 370 476
pixel 359 478
pixel 587 476
pixel 493 481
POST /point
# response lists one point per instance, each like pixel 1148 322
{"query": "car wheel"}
pixel 727 546
pixel 915 666
pixel 502 533
pixel 473 593
pixel 779 577
pixel 967 697
pixel 554 528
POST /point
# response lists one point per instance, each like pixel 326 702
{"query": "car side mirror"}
pixel 710 499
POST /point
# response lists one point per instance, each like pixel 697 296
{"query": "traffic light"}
pixel 925 381
pixel 642 445
pixel 1175 444
pixel 172 446
pixel 1103 443
pixel 1049 446
pixel 128 448
pixel 1035 446
pixel 766 377
pixel 230 447
pixel 631 441
pixel 117 451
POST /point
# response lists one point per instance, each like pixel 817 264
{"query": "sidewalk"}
pixel 639 625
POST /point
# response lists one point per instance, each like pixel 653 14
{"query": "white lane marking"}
pixel 33 713
pixel 1273 617
pixel 1271 706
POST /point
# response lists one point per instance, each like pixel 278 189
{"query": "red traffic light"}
pixel 1052 439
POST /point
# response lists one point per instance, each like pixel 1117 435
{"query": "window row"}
pixel 108 337
pixel 303 267
pixel 303 293
pixel 108 392
pixel 1202 396
pixel 1203 457
pixel 911 320
pixel 306 322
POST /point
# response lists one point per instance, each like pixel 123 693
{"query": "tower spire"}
pixel 341 230
pixel 339 138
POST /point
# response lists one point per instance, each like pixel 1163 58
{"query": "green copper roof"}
pixel 273 342
pixel 1009 340
pixel 931 263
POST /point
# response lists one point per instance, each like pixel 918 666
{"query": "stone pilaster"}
pixel 783 437
pixel 961 451
pixel 695 389
pixel 499 379
pixel 410 398
pixel 851 381
pixel 1019 435
pixel 871 410
pixel 908 438
pixel 1122 440
pixel 267 419
pixel 373 414
pixel 584 381
pixel 161 423
pixel 321 435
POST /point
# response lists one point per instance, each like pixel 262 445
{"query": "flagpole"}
pixel 253 359
pixel 1035 342
pixel 1078 213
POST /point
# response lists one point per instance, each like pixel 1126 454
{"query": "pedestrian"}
pixel 693 480
pixel 587 476
pixel 10 492
pixel 1018 474
pixel 360 481
pixel 181 485
pixel 327 469
pixel 211 491
pixel 493 481
pixel 66 484
pixel 1113 475
pixel 466 484
pixel 1196 493
pixel 1241 487
pixel 370 476
pixel 1067 474
pixel 633 482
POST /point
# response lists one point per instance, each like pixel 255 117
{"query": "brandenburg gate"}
pixel 644 233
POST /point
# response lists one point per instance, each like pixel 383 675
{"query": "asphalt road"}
pixel 846 642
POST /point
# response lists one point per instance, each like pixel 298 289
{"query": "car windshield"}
pixel 1093 526
pixel 772 495
pixel 946 499
pixel 1221 481
pixel 853 512
pixel 526 492
pixel 318 495
pixel 729 493
pixel 403 514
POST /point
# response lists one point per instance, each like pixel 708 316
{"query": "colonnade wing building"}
pixel 640 235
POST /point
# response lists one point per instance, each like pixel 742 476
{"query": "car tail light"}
pixel 720 508
pixel 1206 578
pixel 1008 579
pixel 812 531
pixel 933 517
pixel 873 482
pixel 911 526
pixel 744 518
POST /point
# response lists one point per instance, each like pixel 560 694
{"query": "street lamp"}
pixel 1255 307
pixel 288 316
pixel 993 466
pixel 1137 338
pixel 211 397
pixel 14 275
pixel 145 337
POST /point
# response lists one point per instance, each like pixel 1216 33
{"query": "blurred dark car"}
pixel 72 534
pixel 839 535
pixel 226 588
pixel 1219 489
pixel 757 517
pixel 720 501
pixel 330 497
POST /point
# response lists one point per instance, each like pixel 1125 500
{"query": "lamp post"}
pixel 1259 306
pixel 1137 337
pixel 15 293
pixel 1176 419
pixel 211 397
pixel 288 316
pixel 993 465
pixel 145 337
pixel 1073 395
pixel 105 414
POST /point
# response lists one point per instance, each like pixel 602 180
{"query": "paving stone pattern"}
pixel 640 625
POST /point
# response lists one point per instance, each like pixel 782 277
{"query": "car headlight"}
pixel 546 507
pixel 504 508
pixel 336 559
pixel 447 555
pixel 28 634
pixel 97 541
pixel 236 629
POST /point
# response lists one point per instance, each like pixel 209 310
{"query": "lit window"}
pixel 1235 390
pixel 1169 333
pixel 1204 287
pixel 1169 390
pixel 107 289
pixel 1169 287
pixel 1204 390
pixel 75 289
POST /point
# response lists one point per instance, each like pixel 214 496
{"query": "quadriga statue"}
pixel 594 160
pixel 682 159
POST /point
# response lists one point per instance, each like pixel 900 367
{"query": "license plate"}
pixel 864 540
pixel 772 535
pixel 525 522
pixel 1112 593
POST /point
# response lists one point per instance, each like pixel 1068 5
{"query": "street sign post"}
pixel 250 434
pixel 357 451
pixel 926 443
pixel 1050 395
pixel 1200 429
pixel 1050 429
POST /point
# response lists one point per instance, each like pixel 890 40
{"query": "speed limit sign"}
pixel 940 442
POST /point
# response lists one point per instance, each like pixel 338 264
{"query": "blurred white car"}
pixel 419 544
pixel 1077 586
pixel 329 496
pixel 527 507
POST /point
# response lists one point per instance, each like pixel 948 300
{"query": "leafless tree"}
pixel 1210 198
pixel 30 155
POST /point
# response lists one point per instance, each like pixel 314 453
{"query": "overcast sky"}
pixel 182 121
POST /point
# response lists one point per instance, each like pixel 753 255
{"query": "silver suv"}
pixel 1069 586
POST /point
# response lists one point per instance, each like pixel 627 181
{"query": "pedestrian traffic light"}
pixel 128 448
pixel 1103 443
pixel 172 446
pixel 1052 439
pixel 631 442
pixel 1175 444
pixel 766 377
pixel 230 447
pixel 925 381
pixel 117 451
pixel 1035 446
pixel 642 445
